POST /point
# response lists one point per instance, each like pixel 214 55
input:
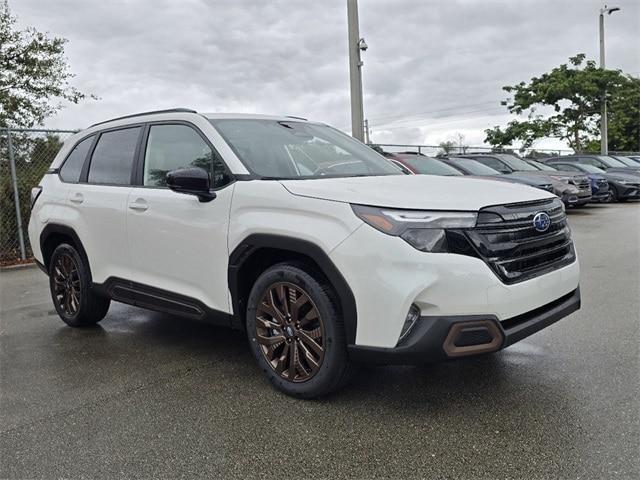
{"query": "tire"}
pixel 614 194
pixel 70 285
pixel 282 325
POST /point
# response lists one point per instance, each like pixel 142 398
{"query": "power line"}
pixel 425 122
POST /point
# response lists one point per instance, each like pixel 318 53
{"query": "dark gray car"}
pixel 623 186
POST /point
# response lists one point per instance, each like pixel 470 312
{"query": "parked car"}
pixel 472 167
pixel 598 183
pixel 573 190
pixel 604 162
pixel 622 186
pixel 418 164
pixel 308 240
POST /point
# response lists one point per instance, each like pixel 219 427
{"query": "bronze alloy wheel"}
pixel 66 283
pixel 290 332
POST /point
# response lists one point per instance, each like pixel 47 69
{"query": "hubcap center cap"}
pixel 288 331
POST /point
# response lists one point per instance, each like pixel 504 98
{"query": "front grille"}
pixel 506 239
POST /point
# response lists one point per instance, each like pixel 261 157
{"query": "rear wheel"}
pixel 296 332
pixel 70 284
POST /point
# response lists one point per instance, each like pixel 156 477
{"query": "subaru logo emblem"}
pixel 541 222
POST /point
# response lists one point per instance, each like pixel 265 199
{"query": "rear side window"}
pixel 170 147
pixel 112 159
pixel 72 167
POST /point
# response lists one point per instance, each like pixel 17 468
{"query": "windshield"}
pixel 542 166
pixel 627 161
pixel 610 161
pixel 475 168
pixel 429 166
pixel 295 150
pixel 586 167
pixel 516 163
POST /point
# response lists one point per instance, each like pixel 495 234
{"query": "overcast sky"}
pixel 434 68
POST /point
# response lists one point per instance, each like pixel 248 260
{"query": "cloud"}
pixel 434 68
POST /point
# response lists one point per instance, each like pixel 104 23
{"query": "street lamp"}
pixel 356 46
pixel 604 136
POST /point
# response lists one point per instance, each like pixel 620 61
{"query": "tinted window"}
pixel 592 161
pixel 610 161
pixel 70 171
pixel 567 167
pixel 112 158
pixel 430 166
pixel 170 147
pixel 476 168
pixel 516 163
pixel 493 163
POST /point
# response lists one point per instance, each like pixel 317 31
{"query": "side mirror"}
pixel 192 181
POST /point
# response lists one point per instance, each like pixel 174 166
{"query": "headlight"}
pixel 422 229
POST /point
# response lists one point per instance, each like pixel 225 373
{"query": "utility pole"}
pixel 604 134
pixel 356 45
pixel 367 138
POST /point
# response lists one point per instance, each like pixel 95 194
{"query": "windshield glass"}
pixel 610 161
pixel 627 161
pixel 590 168
pixel 542 166
pixel 474 167
pixel 290 149
pixel 516 163
pixel 429 166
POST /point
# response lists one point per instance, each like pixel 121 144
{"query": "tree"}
pixel 574 92
pixel 34 74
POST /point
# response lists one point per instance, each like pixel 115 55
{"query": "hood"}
pixel 630 177
pixel 534 179
pixel 630 170
pixel 424 192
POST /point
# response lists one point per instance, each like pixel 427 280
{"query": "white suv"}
pixel 317 246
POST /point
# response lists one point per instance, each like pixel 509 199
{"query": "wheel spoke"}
pixel 293 359
pixel 283 359
pixel 300 301
pixel 267 324
pixel 310 342
pixel 268 341
pixel 283 297
pixel 313 363
pixel 309 317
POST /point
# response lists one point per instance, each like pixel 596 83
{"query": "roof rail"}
pixel 153 112
pixel 297 118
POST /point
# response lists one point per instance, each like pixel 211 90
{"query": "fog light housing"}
pixel 412 317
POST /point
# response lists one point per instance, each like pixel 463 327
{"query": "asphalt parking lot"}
pixel 147 395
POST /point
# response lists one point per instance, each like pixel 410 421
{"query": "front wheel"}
pixel 70 284
pixel 296 332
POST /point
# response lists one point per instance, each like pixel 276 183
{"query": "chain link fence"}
pixel 25 156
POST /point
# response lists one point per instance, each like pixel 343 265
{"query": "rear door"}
pixel 98 201
pixel 178 243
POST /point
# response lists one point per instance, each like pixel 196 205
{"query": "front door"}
pixel 178 243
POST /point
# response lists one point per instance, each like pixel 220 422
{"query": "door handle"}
pixel 77 198
pixel 140 205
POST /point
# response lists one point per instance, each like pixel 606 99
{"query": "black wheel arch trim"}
pixel 55 228
pixel 255 242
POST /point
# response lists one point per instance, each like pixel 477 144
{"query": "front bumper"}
pixel 629 192
pixel 435 339
pixel 387 276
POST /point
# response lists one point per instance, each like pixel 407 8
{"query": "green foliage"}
pixel 34 74
pixel 33 156
pixel 573 93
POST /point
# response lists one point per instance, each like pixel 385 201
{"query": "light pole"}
pixel 604 135
pixel 356 45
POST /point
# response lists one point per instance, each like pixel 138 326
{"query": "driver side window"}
pixel 170 147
